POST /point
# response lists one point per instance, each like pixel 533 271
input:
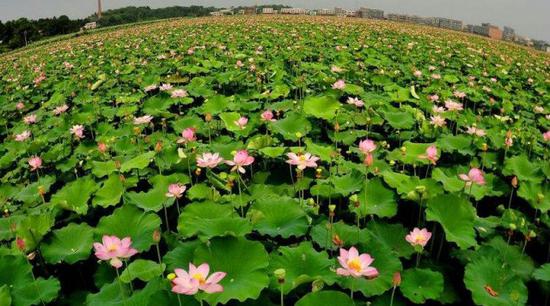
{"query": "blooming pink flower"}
pixel 431 68
pixel 436 76
pixel 340 84
pixel 143 120
pixel 240 160
pixel 22 136
pixel 336 69
pixel 355 265
pixel 150 87
pixel 459 94
pixel 239 64
pixel 431 154
pixel 508 141
pixel 179 93
pixel 241 123
pixel 433 98
pixel 267 116
pixel 197 279
pixel 474 176
pixel 303 160
pixel 175 190
pixel 187 135
pixel 30 119
pixel 438 109
pixel 102 147
pixel 472 130
pixel 60 109
pixel 417 73
pixel 355 101
pixel 165 87
pixel 77 131
pixel 453 106
pixel 20 105
pixel 418 237
pixel 546 136
pixel 35 162
pixel 437 121
pixel 114 249
pixel 367 146
pixel 68 65
pixel 209 160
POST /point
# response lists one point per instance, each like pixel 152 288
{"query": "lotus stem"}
pixel 166 215
pixel 120 286
pixel 392 295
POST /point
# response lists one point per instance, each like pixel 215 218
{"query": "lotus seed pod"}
pixel 501 208
pixel 484 147
pixel 420 189
pixel 280 274
pixel 332 207
pixel 298 135
pixel 392 162
pixel 532 234
pixel 412 195
pixel 512 226
pixel 171 276
pixel 317 285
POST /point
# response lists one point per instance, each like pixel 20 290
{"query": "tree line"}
pixel 21 32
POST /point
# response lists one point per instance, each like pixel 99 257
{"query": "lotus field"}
pixel 275 161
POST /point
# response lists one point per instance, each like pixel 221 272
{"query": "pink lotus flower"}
pixel 68 65
pixel 187 135
pixel 175 191
pixel 209 160
pixel 35 162
pixel 367 146
pixel 267 116
pixel 303 160
pixel 77 131
pixel 437 121
pixel 474 176
pixel 433 98
pixel 197 279
pixel 417 73
pixel 179 93
pixel 472 130
pixel 240 160
pixel 436 76
pixel 20 105
pixel 355 101
pixel 355 265
pixel 459 94
pixel 431 68
pixel 165 87
pixel 60 109
pixel 340 84
pixel 241 123
pixel 336 69
pixel 438 109
pixel 102 147
pixel 239 64
pixel 150 87
pixel 30 119
pixel 114 249
pixel 418 237
pixel 431 154
pixel 143 120
pixel 23 136
pixel 508 142
pixel 546 136
pixel 453 106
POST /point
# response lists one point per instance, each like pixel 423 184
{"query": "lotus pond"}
pixel 270 161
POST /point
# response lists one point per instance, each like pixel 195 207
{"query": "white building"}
pixel 90 26
pixel 268 10
pixel 293 11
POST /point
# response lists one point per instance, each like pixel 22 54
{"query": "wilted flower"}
pixel 209 160
pixel 538 109
pixel 114 249
pixel 23 136
pixel 240 160
pixel 436 76
pixel 143 120
pixel 303 160
pixel 197 279
pixel 241 123
pixel 30 119
pixel 179 93
pixel 35 162
pixel 508 141
pixel 340 84
pixel 267 116
pixel 355 101
pixel 77 131
pixel 68 65
pixel 239 64
pixel 175 191
pixel 474 176
pixel 60 109
pixel 355 265
pixel 418 237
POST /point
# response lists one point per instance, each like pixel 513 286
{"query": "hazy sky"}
pixel 528 17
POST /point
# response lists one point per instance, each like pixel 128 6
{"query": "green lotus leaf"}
pixel 419 285
pixel 110 192
pixel 324 107
pixel 391 236
pixel 414 154
pixel 333 298
pixel 32 228
pixel 69 244
pixel 399 120
pixel 349 183
pixel 30 193
pixel 325 235
pixel 273 152
pixel 75 195
pixel 524 169
pixel 278 216
pixel 455 143
pixel 142 269
pixel 491 284
pixel 537 194
pixel 291 125
pixel 208 220
pixel 456 215
pixel 375 199
pixel 101 169
pixel 139 162
pixel 542 273
pixel 129 221
pixel 303 264
pixel 245 263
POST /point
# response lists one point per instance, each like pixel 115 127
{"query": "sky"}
pixel 527 17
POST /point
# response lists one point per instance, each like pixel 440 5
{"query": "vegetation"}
pixel 274 160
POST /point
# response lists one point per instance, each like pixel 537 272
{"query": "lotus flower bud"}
pixel 21 245
pixel 31 255
pixel 403 150
pixel 280 274
pixel 181 153
pixel 420 189
pixel 198 171
pixel 515 182
pixel 396 280
pixel 208 117
pixel 41 190
pixel 484 147
pixel 500 208
pixel 310 202
pixel 540 197
pixel 156 236
pixel 158 147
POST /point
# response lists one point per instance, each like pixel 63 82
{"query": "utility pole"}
pixel 98 9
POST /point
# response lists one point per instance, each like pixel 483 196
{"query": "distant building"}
pixel 541 45
pixel 251 10
pixel 451 24
pixel 268 10
pixel 90 26
pixel 325 12
pixel 491 31
pixel 370 13
pixel 338 11
pixel 222 12
pixel 293 11
pixel 508 33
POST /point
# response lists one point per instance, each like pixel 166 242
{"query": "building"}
pixel 268 10
pixel 90 26
pixel 508 33
pixel 325 12
pixel 222 12
pixel 370 13
pixel 338 11
pixel 251 10
pixel 293 11
pixel 451 24
pixel 541 45
pixel 491 31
